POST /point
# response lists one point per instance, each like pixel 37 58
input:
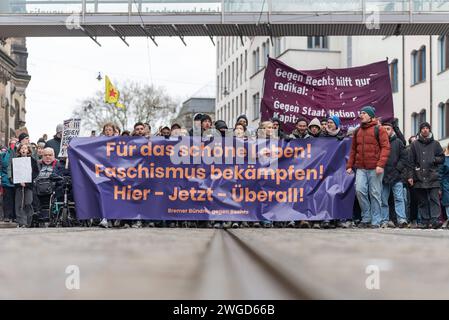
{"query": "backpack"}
pixel 376 133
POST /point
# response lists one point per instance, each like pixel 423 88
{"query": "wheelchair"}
pixel 61 207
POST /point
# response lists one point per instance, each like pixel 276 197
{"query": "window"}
pixel 241 103
pixel 228 84
pixel 237 73
pixel 443 118
pixel 317 42
pixel 237 106
pixel 221 85
pixel 232 76
pixel 256 60
pixel 417 119
pixel 218 87
pixel 246 64
pixel 418 59
pixel 443 53
pixel 246 102
pixel 277 47
pixel 224 88
pixel 232 111
pixel 265 52
pixel 256 106
pixel 394 75
pixel 241 68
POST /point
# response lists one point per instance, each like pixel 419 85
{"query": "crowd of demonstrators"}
pixel 398 183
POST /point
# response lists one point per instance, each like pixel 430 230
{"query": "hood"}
pixel 315 122
pixel 427 140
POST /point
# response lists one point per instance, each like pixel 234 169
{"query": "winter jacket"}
pixel 425 157
pixel 6 162
pixel 397 161
pixel 296 135
pixel 339 135
pixel 366 151
pixel 55 144
pixel 444 176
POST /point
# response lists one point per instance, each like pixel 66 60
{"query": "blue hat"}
pixel 335 119
pixel 370 110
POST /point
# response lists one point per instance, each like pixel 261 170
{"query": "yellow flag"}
pixel 111 94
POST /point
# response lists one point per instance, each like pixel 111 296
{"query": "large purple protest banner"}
pixel 216 179
pixel 290 94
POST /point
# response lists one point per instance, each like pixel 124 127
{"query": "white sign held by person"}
pixel 71 130
pixel 21 170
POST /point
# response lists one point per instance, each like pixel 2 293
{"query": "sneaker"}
pixel 391 224
pixel 244 224
pixel 173 224
pixel 422 225
pixel 103 223
pixel 375 226
pixel 445 224
pixel 403 224
pixel 326 225
pixel 116 223
pixel 126 226
pixel 316 225
pixel 346 224
pixel 151 224
pixel 218 225
pixel 435 225
pixel 363 225
pixel 256 225
pixel 384 225
pixel 304 224
pixel 291 224
pixel 235 225
pixel 137 225
pixel 267 224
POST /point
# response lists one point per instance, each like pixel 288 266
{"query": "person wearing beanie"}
pixel 300 131
pixel 196 128
pixel 221 126
pixel 392 181
pixel 24 138
pixel 243 120
pixel 426 154
pixel 55 143
pixel 277 127
pixel 369 154
pixel 315 128
pixel 333 129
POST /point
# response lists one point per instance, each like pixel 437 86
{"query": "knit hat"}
pixel 386 123
pixel 175 126
pixel 198 117
pixel 220 124
pixel 276 119
pixel 59 128
pixel 242 117
pixel 336 120
pixel 315 122
pixel 370 110
pixel 424 124
pixel 22 136
pixel 206 117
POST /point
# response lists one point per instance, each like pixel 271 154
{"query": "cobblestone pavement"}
pixel 166 263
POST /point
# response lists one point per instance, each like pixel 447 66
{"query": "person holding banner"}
pixel 369 154
pixel 333 129
pixel 24 191
pixel 315 128
pixel 300 131
pixel 8 186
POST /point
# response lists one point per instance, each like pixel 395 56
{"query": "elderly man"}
pixel 43 185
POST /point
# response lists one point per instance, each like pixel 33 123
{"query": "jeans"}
pixel 368 187
pixel 399 203
pixel 24 207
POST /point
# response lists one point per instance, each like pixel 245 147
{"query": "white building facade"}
pixel 418 71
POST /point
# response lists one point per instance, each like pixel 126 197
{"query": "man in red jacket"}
pixel 369 154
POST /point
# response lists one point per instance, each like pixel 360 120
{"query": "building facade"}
pixel 14 79
pixel 418 71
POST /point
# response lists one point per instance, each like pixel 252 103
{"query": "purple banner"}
pixel 217 179
pixel 290 94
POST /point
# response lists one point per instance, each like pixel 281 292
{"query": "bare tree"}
pixel 142 103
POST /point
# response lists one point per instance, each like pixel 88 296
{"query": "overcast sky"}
pixel 64 71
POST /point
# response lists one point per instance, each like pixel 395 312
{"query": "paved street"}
pixel 170 263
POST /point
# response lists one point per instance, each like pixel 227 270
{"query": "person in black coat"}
pixel 396 164
pixel 426 155
pixel 24 191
